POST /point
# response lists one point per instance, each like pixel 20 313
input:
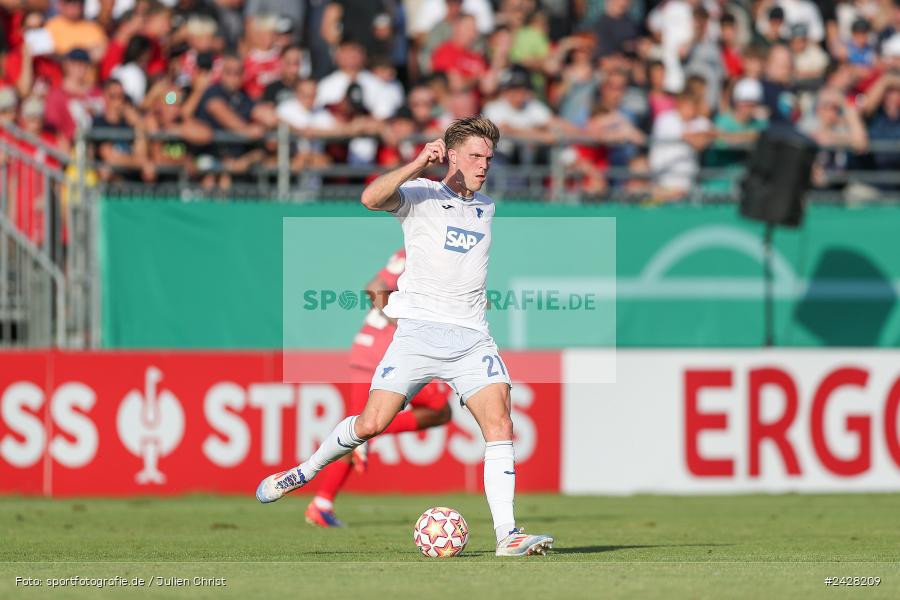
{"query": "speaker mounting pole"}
pixel 773 190
pixel 768 291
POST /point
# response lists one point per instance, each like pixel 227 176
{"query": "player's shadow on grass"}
pixel 381 522
pixel 599 549
pixel 581 518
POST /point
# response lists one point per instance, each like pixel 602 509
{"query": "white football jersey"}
pixel 448 241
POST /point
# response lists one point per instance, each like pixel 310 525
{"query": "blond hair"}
pixel 265 23
pixel 201 26
pixel 462 129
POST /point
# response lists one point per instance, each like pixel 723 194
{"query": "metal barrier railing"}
pixel 543 171
pixel 49 280
pixel 32 293
pixel 49 294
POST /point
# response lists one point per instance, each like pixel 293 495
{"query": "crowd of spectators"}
pixel 639 94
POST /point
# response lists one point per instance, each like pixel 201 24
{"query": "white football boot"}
pixel 275 486
pixel 519 543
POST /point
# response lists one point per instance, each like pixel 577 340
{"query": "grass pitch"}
pixel 645 546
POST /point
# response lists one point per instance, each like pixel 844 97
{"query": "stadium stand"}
pixel 296 101
pixel 623 99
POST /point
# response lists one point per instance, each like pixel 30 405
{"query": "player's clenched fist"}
pixel 432 153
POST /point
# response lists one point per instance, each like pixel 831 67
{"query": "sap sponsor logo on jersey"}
pixel 461 240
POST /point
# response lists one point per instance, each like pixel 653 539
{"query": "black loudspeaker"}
pixel 778 176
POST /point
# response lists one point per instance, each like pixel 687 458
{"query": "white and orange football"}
pixel 441 532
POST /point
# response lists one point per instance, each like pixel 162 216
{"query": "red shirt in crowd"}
pixel 11 23
pixel 733 62
pixel 115 53
pixel 47 72
pixel 450 58
pixel 261 68
pixel 596 156
pixel 392 156
pixel 64 110
pixel 863 85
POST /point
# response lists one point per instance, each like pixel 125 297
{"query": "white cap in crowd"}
pixel 891 46
pixel 748 90
pixel 8 98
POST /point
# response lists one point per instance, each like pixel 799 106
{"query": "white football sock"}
pixel 339 442
pixel 500 485
pixel 323 503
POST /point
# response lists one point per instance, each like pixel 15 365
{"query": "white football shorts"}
pixel 465 358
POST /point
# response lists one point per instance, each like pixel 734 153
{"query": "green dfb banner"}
pixel 265 275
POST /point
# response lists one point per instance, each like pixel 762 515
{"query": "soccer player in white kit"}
pixel 442 331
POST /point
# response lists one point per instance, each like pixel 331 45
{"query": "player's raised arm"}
pixel 383 194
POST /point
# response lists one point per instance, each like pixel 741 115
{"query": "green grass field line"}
pixel 643 546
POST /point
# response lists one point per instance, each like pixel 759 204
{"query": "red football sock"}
pixel 333 478
pixel 404 421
